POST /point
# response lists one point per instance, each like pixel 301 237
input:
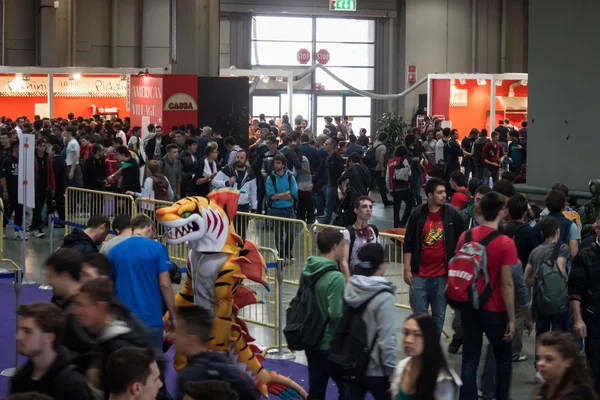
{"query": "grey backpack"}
pixel 550 286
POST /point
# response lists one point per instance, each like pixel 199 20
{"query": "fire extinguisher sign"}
pixel 412 74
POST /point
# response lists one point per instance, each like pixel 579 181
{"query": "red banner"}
pixel 180 104
pixel 146 93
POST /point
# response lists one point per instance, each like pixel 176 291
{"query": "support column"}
pixel 51 95
pixel 48 34
pixel 197 37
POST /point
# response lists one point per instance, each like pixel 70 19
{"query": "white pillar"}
pixel 51 95
pixel 492 103
pixel 290 92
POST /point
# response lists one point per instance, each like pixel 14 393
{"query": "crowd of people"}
pixel 473 243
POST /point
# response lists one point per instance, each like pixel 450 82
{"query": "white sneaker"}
pixel 19 236
pixel 36 233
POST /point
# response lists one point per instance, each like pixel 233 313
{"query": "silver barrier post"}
pixel 280 353
pixel 25 281
pixel 43 285
pixel 10 372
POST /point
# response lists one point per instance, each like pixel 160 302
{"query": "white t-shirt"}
pixel 439 151
pixel 133 140
pixel 123 137
pixel 358 243
pixel 72 146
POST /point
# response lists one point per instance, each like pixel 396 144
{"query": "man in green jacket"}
pixel 467 214
pixel 329 289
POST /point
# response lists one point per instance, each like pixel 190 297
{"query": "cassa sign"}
pixel 180 102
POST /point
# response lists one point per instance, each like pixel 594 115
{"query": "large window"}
pixel 276 40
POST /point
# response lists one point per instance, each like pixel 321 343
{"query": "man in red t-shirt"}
pixel 460 198
pixel 430 239
pixel 491 158
pixel 497 316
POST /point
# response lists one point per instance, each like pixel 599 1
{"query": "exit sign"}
pixel 342 5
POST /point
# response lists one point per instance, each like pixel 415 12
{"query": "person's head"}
pixel 304 138
pixel 454 134
pixel 40 329
pixel 121 224
pixel 172 152
pixel 517 207
pixel 447 132
pixel 214 390
pixel 279 163
pixel 328 119
pixel 474 133
pixel 97 228
pixel 63 272
pixel 479 193
pixel 555 201
pixel 330 243
pixel 421 341
pixel 483 133
pixel 95 265
pixel 492 207
pixel 153 167
pixel 178 138
pixel 562 365
pixel 504 187
pixel 142 225
pixel 331 146
pixel 514 136
pixel 363 207
pixel 561 187
pixel 191 145
pixel 193 329
pixel 501 122
pixel 550 229
pixel 229 142
pixel 40 146
pixel 354 159
pixel 382 137
pixel 122 153
pixel 133 372
pixel 495 136
pixel 509 176
pixel 473 185
pixel 240 158
pixel 211 152
pixel 401 151
pixel 98 151
pixel 352 138
pixel 54 150
pixel 5 139
pixel 430 135
pixel 435 190
pixel 28 396
pixel 271 142
pixel 371 259
pixel 457 180
pixel 91 307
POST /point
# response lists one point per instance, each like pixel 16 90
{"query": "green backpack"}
pixel 550 286
pixel 370 159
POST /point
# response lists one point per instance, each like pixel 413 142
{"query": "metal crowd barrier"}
pixel 80 204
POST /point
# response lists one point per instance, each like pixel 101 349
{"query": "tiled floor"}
pixel 37 251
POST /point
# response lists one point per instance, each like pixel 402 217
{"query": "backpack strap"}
pixel 375 230
pixel 274 182
pixel 352 234
pixel 487 240
pixel 468 236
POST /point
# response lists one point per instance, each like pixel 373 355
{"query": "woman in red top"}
pixel 86 149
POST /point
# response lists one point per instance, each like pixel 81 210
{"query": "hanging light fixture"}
pixel 481 82
pixel 266 78
pixel 524 82
pixel 18 77
pixel 498 82
pixel 279 79
pixel 452 82
pixel 462 81
pixel 77 76
pixel 26 77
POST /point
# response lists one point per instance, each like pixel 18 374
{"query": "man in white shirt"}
pixel 361 232
pixel 439 147
pixel 72 158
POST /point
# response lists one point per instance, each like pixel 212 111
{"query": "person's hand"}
pixel 416 159
pixel 408 277
pixel 519 147
pixel 264 174
pixel 510 331
pixel 232 180
pixel 310 187
pixel 171 325
pixel 509 160
pixel 580 329
pixel 129 193
pixel 71 174
pixel 528 326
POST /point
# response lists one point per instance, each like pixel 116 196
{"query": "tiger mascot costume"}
pixel 219 260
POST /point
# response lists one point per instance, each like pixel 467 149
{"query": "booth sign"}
pixel 180 102
pixel 63 87
pixel 459 97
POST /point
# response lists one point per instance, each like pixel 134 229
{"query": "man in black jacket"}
pixel 584 299
pixel 50 369
pixel 93 308
pixel 432 233
pixel 94 170
pixel 87 240
pixel 359 182
pixel 335 169
pixel 193 332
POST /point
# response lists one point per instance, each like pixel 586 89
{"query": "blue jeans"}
pixel 474 324
pixel 469 169
pixel 155 336
pixel 284 244
pixel 319 198
pixel 331 199
pixel 490 173
pixel 430 291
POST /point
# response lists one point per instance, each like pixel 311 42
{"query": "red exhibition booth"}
pixel 146 97
pixel 466 101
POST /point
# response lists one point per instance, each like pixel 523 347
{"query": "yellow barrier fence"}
pixel 80 204
pixel 394 251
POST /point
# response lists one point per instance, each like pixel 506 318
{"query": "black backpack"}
pixel 349 351
pixel 305 324
pixel 370 160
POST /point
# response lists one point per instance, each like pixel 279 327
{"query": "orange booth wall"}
pixel 476 113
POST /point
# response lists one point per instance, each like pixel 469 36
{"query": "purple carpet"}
pixel 29 294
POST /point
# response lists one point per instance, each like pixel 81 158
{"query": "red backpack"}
pixel 468 275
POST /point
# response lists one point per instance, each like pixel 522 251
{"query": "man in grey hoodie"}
pixel 368 285
pixel 170 167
